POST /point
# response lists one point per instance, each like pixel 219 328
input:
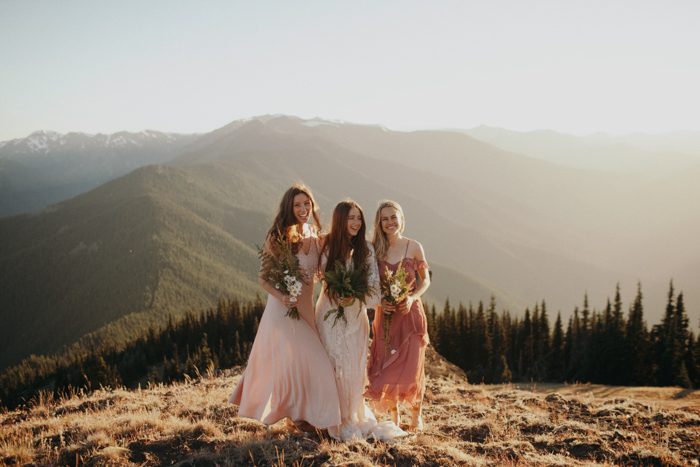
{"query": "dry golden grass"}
pixel 191 424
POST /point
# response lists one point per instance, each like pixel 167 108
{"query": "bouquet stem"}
pixel 339 314
pixel 293 313
pixel 386 325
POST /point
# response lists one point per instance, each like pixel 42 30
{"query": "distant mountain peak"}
pixel 45 133
pixel 282 122
pixel 45 142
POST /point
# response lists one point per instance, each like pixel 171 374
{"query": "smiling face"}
pixel 391 221
pixel 302 207
pixel 354 221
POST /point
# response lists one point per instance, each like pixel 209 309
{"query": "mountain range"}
pixel 175 236
pixel 47 167
pixel 636 154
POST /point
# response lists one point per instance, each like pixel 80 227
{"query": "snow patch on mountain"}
pixel 318 122
pixel 46 142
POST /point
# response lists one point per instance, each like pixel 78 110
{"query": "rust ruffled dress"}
pixel 396 371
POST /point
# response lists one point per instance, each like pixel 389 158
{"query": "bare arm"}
pixel 422 278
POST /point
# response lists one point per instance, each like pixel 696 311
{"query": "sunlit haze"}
pixel 575 66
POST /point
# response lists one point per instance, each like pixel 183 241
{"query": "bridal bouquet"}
pixel 345 285
pixel 395 288
pixel 280 266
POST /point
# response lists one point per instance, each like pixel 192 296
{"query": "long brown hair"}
pixel 338 241
pixel 379 240
pixel 285 218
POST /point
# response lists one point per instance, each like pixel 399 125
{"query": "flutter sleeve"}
pixel 422 268
pixel 374 297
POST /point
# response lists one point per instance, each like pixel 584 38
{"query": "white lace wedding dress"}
pixel 346 344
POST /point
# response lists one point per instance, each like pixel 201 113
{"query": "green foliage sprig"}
pixel 344 285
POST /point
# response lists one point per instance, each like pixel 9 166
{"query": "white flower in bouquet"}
pixel 280 266
pixel 395 290
pixel 294 288
pixel 396 287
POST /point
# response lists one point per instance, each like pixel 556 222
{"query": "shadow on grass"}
pixel 195 449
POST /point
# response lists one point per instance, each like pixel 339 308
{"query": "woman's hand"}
pixel 289 301
pixel 405 306
pixel 388 307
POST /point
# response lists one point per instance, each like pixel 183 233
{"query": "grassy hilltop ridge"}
pixel 191 424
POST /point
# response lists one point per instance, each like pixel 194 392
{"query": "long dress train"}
pixel 346 344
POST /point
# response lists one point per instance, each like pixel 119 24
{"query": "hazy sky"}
pixel 574 66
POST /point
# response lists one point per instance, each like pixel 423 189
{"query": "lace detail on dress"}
pixel 346 344
pixel 376 297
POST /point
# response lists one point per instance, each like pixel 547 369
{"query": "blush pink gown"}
pixel 396 371
pixel 288 372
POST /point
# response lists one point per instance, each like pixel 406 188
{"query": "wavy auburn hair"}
pixel 285 218
pixel 379 240
pixel 339 243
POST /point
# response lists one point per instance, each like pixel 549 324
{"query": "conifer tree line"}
pixel 611 346
pixel 194 345
pixel 608 347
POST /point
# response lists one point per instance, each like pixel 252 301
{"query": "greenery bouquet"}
pixel 344 285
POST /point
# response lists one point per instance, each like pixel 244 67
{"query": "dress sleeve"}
pixel 375 297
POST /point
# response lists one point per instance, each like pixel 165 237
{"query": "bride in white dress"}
pixel 346 340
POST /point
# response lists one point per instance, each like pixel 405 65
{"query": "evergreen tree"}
pixel 557 362
pixel 696 356
pixel 237 358
pixel 444 332
pixel 597 349
pixel 206 358
pixel 636 344
pixel 584 337
pixel 616 342
pixel 97 373
pixel 505 375
pixel 462 342
pixel 432 326
pixel 575 351
pixel 691 361
pixel 569 368
pixel 665 341
pixel 681 376
pixel 543 361
pixel 482 346
pixel 497 359
pixel 526 347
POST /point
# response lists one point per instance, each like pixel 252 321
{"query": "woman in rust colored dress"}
pixel 396 370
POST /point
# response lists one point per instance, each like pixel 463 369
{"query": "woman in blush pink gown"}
pixel 288 372
pixel 396 369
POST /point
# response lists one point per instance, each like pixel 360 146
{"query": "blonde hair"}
pixel 379 240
